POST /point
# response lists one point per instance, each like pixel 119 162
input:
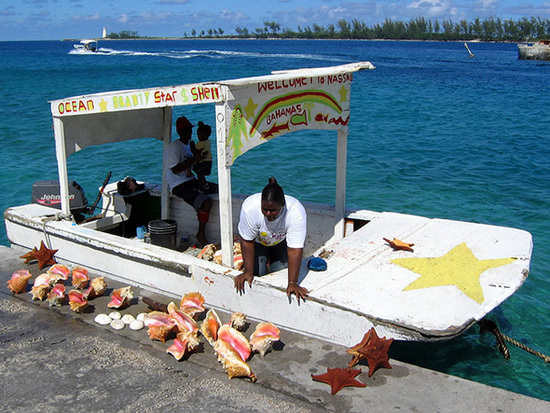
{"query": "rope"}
pixel 491 326
pixel 59 216
pixel 527 349
pixel 488 325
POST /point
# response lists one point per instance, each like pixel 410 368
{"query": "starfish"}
pixel 376 351
pixel 459 267
pixel 29 256
pixel 399 245
pixel 354 351
pixel 338 378
pixel 45 256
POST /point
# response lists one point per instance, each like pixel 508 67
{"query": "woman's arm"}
pixel 294 264
pixel 247 249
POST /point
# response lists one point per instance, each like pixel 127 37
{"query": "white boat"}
pixel 456 274
pixel 86 45
pixel 534 51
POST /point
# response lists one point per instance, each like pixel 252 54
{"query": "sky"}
pixel 77 19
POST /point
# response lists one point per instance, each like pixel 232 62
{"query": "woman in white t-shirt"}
pixel 272 228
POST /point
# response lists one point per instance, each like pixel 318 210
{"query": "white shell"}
pixel 102 319
pixel 115 315
pixel 136 325
pixel 127 318
pixel 141 316
pixel 117 324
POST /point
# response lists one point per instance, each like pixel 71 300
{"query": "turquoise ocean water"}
pixel 433 132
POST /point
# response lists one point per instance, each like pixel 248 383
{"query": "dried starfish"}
pixel 45 256
pixel 399 245
pixel 339 378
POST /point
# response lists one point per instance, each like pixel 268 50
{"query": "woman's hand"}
pixel 300 292
pixel 241 279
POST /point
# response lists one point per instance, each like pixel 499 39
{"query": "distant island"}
pixel 420 28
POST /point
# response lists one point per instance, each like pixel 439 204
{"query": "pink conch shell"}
pixel 207 253
pixel 80 277
pixel 61 270
pixel 184 343
pixel 182 320
pixel 237 321
pixel 41 286
pixel 77 302
pixel 232 361
pixel 56 297
pixel 96 289
pixel 160 325
pixel 210 326
pixel 192 304
pixel 236 340
pixel 18 281
pixel 263 337
pixel 121 297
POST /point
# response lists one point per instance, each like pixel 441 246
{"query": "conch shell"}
pixel 210 326
pixel 236 340
pixel 56 296
pixel 97 288
pixel 160 325
pixel 192 304
pixel 61 270
pixel 263 337
pixel 41 286
pixel 207 253
pixel 121 297
pixel 77 302
pixel 18 281
pixel 237 321
pixel 184 343
pixel 232 361
pixel 80 277
pixel 183 321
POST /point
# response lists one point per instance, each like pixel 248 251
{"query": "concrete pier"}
pixel 52 359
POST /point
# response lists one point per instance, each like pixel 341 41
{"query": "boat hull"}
pixel 358 291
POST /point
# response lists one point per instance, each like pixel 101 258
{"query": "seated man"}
pixel 179 159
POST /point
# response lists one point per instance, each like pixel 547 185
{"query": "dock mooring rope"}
pixel 491 326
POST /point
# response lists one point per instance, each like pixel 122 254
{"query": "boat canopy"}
pixel 249 112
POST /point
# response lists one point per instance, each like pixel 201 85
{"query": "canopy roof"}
pixel 249 111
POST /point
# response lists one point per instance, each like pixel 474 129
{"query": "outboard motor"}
pixel 47 193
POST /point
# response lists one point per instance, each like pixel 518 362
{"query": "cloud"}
pixel 164 2
pixel 432 8
pixel 8 11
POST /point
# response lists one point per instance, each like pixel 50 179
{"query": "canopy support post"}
pixel 167 133
pixel 61 154
pixel 224 183
pixel 340 202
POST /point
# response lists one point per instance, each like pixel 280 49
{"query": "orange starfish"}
pixel 339 378
pixel 399 245
pixel 45 256
pixel 354 351
pixel 376 352
pixel 29 256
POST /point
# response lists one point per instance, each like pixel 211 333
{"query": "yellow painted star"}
pixel 250 108
pixel 459 267
pixel 343 94
pixel 103 105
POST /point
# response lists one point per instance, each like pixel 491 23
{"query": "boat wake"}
pixel 210 54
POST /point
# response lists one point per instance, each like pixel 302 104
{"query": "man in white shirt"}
pixel 180 178
pixel 273 230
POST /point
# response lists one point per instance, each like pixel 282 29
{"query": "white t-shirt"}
pixel 176 153
pixel 291 224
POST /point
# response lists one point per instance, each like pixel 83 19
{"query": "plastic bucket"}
pixel 163 232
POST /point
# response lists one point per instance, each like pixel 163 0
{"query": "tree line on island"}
pixel 420 28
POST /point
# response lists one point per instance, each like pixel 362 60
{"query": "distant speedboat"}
pixel 87 45
pixel 534 51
